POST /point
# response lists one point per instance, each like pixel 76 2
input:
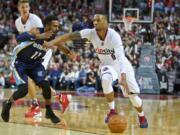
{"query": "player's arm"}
pixel 28 36
pixel 34 34
pixel 66 37
pixel 85 33
pixel 120 56
pixel 67 52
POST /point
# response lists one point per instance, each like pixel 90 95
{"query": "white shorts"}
pixel 116 74
pixel 47 58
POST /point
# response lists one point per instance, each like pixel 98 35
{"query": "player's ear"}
pixel 18 8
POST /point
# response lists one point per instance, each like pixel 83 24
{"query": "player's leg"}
pixel 39 75
pixel 34 110
pixel 22 83
pixel 136 101
pixel 108 75
pixel 63 99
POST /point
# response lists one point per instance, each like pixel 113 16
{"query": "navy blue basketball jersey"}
pixel 30 51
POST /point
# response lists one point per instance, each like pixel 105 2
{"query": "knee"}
pixel 107 83
pixel 21 92
pixel 136 100
pixel 106 79
pixel 46 90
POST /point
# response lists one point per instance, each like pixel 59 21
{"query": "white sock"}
pixel 111 105
pixel 35 99
pixel 141 114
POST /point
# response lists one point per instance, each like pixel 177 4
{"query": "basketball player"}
pixel 29 55
pixel 114 64
pixel 26 22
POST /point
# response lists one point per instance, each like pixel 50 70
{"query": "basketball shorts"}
pixel 116 74
pixel 22 71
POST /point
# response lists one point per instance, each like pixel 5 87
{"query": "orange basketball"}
pixel 117 124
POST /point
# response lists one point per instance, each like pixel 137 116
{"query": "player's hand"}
pixel 34 31
pixel 72 56
pixel 45 35
pixel 123 82
pixel 48 45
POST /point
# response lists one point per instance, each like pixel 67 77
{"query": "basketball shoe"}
pixel 34 111
pixel 64 101
pixel 6 106
pixel 51 115
pixel 112 112
pixel 143 122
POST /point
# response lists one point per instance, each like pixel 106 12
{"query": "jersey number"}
pixel 36 55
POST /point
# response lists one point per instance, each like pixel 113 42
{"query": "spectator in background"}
pixel 54 75
pixel 89 84
pixel 81 80
pixel 70 79
pixel 2 80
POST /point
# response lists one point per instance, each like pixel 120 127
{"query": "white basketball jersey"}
pixel 110 51
pixel 33 22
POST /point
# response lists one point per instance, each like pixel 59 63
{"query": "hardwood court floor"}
pixel 85 116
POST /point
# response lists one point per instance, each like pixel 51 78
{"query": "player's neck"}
pixel 24 18
pixel 102 34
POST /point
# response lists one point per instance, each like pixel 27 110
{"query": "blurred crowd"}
pixel 76 15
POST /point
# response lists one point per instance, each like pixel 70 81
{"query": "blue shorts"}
pixel 23 70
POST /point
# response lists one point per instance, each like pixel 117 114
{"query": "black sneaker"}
pixel 6 106
pixel 50 115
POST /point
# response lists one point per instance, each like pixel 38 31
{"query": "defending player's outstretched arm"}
pixel 66 37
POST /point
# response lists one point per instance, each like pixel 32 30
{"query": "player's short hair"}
pixel 49 19
pixel 105 17
pixel 22 1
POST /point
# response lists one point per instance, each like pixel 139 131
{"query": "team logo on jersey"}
pixel 104 51
pixel 41 73
pixel 38 46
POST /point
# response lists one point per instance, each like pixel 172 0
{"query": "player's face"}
pixel 24 8
pixel 99 22
pixel 54 26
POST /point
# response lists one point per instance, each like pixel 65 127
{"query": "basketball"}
pixel 117 124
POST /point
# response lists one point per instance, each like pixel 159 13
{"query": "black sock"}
pixel 48 107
